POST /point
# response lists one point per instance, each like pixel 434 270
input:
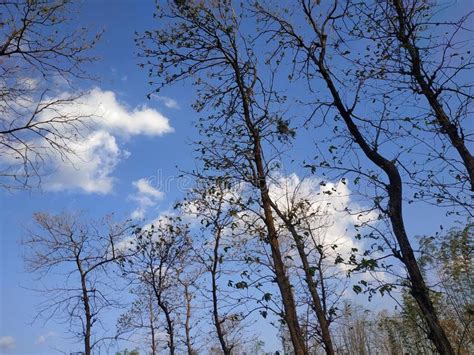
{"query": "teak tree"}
pixel 206 42
pixel 421 62
pixel 141 317
pixel 159 255
pixel 316 49
pixel 211 203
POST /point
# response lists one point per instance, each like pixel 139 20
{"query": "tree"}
pixel 307 219
pixel 142 316
pixel 42 56
pixel 421 61
pixel 207 40
pixel 80 253
pixel 314 49
pixel 435 87
pixel 213 204
pixel 160 254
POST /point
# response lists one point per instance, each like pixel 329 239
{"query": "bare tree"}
pixel 79 253
pixel 42 55
pixel 436 84
pixel 306 221
pixel 421 61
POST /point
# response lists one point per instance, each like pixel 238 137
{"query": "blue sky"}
pixel 149 156
pixel 143 155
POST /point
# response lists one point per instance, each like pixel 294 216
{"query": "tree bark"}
pixel 169 321
pixel 87 309
pixel 283 282
pixel 152 327
pixel 291 316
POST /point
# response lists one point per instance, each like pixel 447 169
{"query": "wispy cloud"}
pixel 146 197
pixel 44 337
pixel 98 152
pixel 167 101
pixel 7 342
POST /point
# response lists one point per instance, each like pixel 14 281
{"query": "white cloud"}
pixel 324 208
pixel 91 169
pixel 167 101
pixel 44 337
pixel 7 342
pixel 113 116
pixel 98 151
pixel 146 196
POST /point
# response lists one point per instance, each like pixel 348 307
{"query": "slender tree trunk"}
pixel 169 321
pixel 169 326
pixel 187 327
pixel 87 308
pixel 291 316
pixel 283 282
pixel 152 326
pixel 418 287
pixel 317 305
pixel 215 306
pixel 447 127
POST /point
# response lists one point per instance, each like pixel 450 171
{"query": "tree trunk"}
pixel 316 300
pixel 152 326
pixel 169 327
pixel 215 307
pixel 169 321
pixel 291 316
pixel 317 305
pixel 187 327
pixel 283 282
pixel 87 309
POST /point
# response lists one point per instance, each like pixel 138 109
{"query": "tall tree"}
pixel 315 49
pixel 206 41
pixel 80 253
pixel 160 254
pixel 435 84
pixel 421 60
pixel 212 203
pixel 141 317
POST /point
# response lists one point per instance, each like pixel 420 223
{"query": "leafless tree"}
pixel 76 255
pixel 421 61
pixel 42 55
pixel 212 204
